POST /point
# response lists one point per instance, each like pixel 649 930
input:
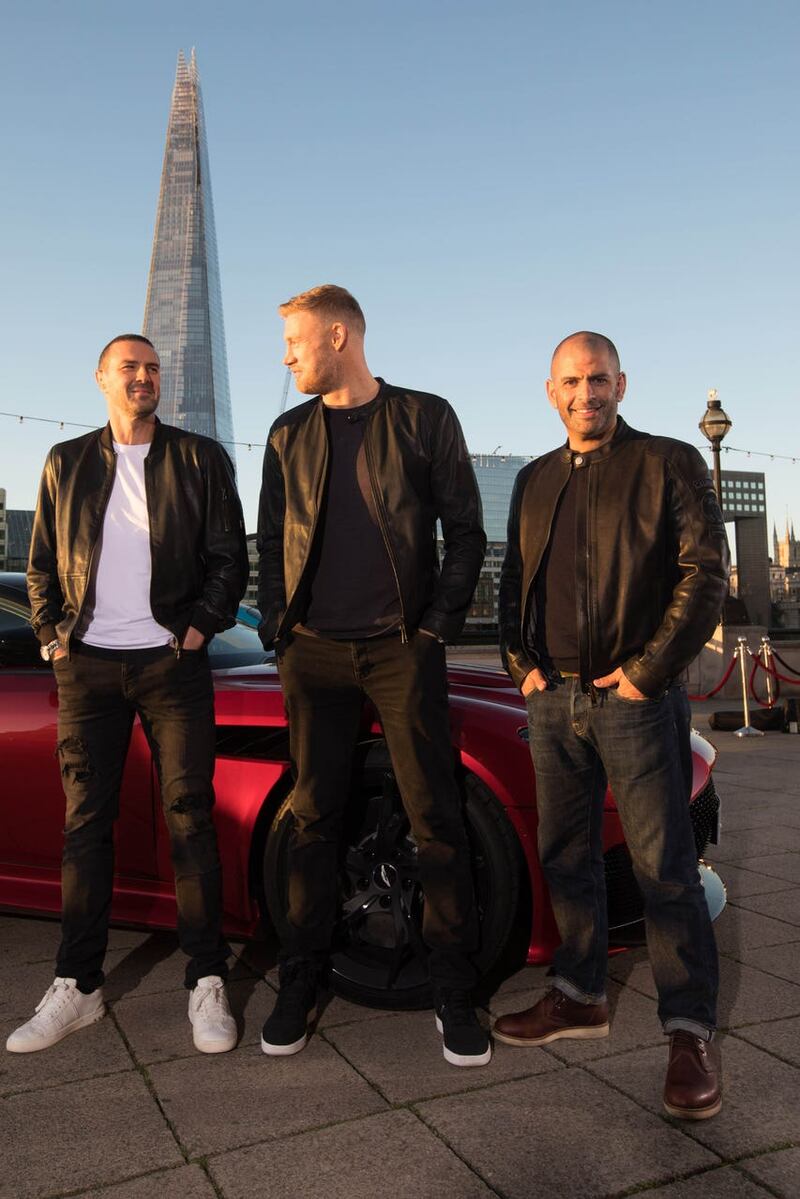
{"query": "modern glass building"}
pixel 496 474
pixel 183 311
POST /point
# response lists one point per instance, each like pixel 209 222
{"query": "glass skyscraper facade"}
pixel 183 311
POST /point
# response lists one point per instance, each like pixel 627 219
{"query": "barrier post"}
pixel 765 654
pixel 747 730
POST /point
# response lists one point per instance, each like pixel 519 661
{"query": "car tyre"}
pixel 378 957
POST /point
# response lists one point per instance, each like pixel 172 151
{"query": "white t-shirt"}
pixel 122 618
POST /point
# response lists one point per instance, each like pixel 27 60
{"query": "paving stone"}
pixel 87 1053
pixel 783 906
pixel 740 882
pixel 739 928
pixel 155 965
pixel 777 865
pixel 760 1096
pixel 250 1097
pixel 336 1010
pixel 746 995
pixel 780 960
pixel 23 987
pixel 24 940
pixel 780 1171
pixel 564 1134
pixel 724 1183
pixel 526 979
pixel 390 1154
pixel 89 1133
pixel 752 843
pixel 781 1037
pixel 157 1026
pixel 186 1182
pixel 403 1058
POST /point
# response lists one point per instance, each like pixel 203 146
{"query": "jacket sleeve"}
pixel 516 659
pixel 703 564
pixel 44 588
pixel 269 543
pixel 224 546
pixel 458 505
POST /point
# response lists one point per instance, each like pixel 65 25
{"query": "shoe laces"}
pixel 55 998
pixel 211 995
pixel 459 1007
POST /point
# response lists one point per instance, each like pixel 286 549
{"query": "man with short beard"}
pixel 137 559
pixel 614 577
pixel 356 605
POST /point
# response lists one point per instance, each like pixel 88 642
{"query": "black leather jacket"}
pixel 651 557
pixel 197 541
pixel 419 470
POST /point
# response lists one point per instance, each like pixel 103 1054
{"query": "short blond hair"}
pixel 330 301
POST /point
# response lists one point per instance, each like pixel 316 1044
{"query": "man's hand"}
pixel 193 639
pixel 620 680
pixel 59 653
pixel 533 681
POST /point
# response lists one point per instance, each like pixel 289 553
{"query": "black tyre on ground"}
pixel 378 957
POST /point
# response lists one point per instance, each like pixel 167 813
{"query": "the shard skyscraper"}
pixel 183 311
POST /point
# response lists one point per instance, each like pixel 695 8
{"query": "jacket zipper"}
pixel 290 599
pixel 523 619
pixel 381 512
pixel 104 498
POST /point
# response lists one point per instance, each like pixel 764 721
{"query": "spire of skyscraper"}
pixel 183 310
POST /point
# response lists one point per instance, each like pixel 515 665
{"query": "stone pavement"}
pixel 127 1110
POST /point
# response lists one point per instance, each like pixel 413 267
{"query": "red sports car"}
pixel 379 957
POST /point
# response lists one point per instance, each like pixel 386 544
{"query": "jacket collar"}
pixel 622 433
pixel 107 437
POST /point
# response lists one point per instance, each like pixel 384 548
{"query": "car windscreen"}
pixel 238 646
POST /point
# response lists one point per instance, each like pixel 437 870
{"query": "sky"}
pixel 484 178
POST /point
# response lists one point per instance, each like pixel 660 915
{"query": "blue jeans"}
pixel 642 749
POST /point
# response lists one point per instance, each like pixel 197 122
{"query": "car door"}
pixel 31 798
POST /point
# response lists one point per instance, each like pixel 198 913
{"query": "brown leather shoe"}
pixel 692 1090
pixel 553 1017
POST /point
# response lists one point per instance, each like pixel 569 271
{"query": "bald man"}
pixel 614 577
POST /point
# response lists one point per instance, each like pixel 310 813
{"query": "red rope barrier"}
pixel 785 665
pixel 761 702
pixel 771 670
pixel 719 686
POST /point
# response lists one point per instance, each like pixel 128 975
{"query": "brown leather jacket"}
pixel 651 557
pixel 197 541
pixel 420 471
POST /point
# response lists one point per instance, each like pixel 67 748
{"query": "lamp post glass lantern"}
pixel 715 425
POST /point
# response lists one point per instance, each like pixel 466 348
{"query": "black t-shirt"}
pixel 353 588
pixel 556 613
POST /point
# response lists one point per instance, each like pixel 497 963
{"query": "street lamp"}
pixel 714 425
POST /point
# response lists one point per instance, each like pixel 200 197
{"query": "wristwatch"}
pixel 48 650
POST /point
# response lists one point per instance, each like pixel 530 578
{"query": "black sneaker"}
pixel 465 1042
pixel 286 1029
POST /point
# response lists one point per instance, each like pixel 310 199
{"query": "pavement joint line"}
pixel 66 1082
pixel 372 1085
pixel 202 1162
pixel 212 1154
pixel 770 1052
pixel 741 1168
pixel 115 1182
pixel 148 1082
pixel 641 1188
pixel 681 1126
pixel 495 1190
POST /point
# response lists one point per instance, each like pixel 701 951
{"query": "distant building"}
pixel 183 311
pixel 20 530
pixel 744 503
pixel 786 551
pixel 784 574
pixel 496 474
pixel 3 529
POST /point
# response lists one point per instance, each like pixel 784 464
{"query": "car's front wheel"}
pixel 378 956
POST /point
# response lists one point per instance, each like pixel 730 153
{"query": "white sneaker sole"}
pixel 81 1022
pixel 462 1059
pixel 295 1047
pixel 214 1046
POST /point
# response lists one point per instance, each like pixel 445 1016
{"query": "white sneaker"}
pixel 63 1010
pixel 214 1028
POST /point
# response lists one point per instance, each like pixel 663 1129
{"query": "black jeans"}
pixel 642 748
pixel 324 685
pixel 99 693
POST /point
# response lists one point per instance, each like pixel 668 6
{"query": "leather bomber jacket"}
pixel 651 558
pixel 419 470
pixel 197 541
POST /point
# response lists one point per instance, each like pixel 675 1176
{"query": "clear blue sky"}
pixel 485 178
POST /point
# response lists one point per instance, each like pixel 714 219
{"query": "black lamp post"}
pixel 714 425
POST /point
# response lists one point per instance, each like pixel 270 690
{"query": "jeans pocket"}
pixel 648 700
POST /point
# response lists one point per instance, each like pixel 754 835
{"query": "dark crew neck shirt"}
pixel 555 610
pixel 353 590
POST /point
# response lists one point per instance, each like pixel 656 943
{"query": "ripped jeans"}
pixel 100 692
